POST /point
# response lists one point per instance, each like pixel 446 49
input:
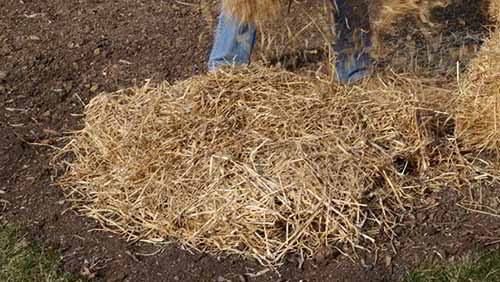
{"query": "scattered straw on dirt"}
pixel 262 162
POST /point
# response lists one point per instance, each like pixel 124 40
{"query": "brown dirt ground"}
pixel 55 55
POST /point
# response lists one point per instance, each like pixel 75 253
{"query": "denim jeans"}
pixel 234 42
pixel 353 40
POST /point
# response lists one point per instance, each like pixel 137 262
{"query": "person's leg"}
pixel 352 42
pixel 233 44
pixel 234 41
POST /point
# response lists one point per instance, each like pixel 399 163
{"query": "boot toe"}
pixel 352 72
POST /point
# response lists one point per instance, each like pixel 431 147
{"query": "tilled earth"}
pixel 56 55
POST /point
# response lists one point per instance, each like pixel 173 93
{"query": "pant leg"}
pixel 353 40
pixel 233 44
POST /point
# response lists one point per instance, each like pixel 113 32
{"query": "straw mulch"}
pixel 262 162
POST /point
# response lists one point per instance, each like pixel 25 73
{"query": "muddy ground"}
pixel 56 55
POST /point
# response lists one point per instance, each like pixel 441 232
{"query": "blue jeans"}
pixel 234 42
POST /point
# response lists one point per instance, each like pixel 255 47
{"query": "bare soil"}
pixel 57 55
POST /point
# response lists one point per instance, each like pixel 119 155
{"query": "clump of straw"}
pixel 382 13
pixel 479 103
pixel 385 10
pixel 389 10
pixel 253 10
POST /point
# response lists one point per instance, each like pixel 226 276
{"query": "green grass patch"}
pixel 21 260
pixel 484 268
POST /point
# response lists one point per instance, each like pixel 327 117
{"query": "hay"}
pixel 253 10
pixel 260 162
pixel 263 163
pixel 389 10
pixel 384 12
pixel 478 126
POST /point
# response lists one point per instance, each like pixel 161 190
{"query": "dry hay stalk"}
pixel 478 126
pixel 260 162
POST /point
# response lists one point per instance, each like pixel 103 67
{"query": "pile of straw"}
pixel 260 162
pixel 263 162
